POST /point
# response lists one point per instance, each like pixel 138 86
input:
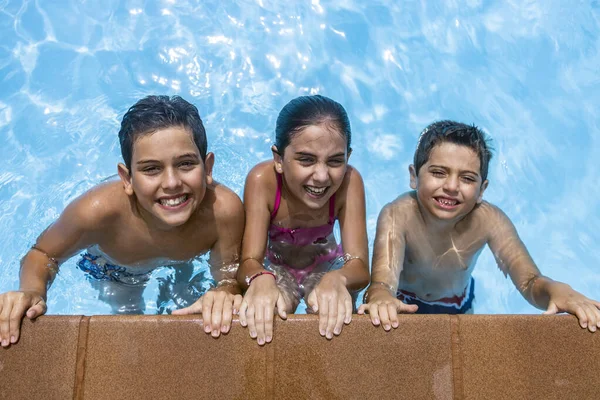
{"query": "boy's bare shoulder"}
pixel 406 203
pixel 226 203
pixel 101 205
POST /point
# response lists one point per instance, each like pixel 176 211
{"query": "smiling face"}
pixel 449 184
pixel 313 165
pixel 167 177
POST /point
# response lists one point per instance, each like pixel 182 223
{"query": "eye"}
pixel 187 165
pixel 305 160
pixel 437 173
pixel 468 179
pixel 336 162
pixel 151 170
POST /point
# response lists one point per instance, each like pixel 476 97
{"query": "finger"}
pixel 252 321
pixel 393 315
pixel 362 308
pixel 16 316
pixel 226 315
pixel 195 308
pixel 323 316
pixel 581 316
pixel 207 305
pixel 384 317
pixel 281 306
pixel 237 303
pixel 348 304
pixel 591 317
pixel 5 325
pixel 217 314
pixel 37 310
pixel 259 319
pixel 374 313
pixel 268 315
pixel 242 313
pixel 341 316
pixel 407 308
pixel 332 316
pixel 312 301
pixel 551 310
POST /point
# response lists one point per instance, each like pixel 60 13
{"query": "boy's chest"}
pixel 450 253
pixel 131 247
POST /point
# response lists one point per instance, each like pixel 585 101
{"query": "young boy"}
pixel 165 210
pixel 428 240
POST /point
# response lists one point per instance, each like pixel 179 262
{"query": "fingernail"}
pixel 322 332
pixel 329 335
pixel 225 329
pixel 337 331
pixel 387 327
pixel 13 339
pixel 207 328
pixel 593 330
pixel 395 324
pixel 4 342
pixel 261 341
pixel 253 335
pixel 376 321
pixel 215 333
pixel 269 338
pixel 584 325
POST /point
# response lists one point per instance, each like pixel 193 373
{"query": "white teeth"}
pixel 315 190
pixel 447 202
pixel 173 202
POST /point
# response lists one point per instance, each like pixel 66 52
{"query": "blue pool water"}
pixel 526 71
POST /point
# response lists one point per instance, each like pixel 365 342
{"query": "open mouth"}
pixel 447 203
pixel 316 192
pixel 173 202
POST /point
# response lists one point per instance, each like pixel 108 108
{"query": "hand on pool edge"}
pixel 217 308
pixel 332 300
pixel 568 300
pixel 13 307
pixel 383 309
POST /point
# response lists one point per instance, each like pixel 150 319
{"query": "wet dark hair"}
pixel 305 111
pixel 159 112
pixel 457 133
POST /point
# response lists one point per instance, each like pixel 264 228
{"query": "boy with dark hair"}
pixel 166 209
pixel 428 240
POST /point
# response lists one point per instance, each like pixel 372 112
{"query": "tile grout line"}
pixel 80 359
pixel 457 377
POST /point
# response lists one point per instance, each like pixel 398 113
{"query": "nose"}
pixel 171 179
pixel 321 173
pixel 451 183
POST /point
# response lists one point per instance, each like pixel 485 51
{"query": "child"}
pixel 428 240
pixel 165 210
pixel 291 205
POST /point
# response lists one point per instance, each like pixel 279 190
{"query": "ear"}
pixel 209 163
pixel 277 159
pixel 413 176
pixel 484 186
pixel 125 178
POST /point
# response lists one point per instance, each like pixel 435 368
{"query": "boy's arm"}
pixel 73 231
pixel 331 296
pixel 542 292
pixel 388 262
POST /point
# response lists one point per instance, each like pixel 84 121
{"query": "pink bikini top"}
pixel 300 236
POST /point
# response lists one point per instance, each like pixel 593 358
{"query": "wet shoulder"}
pixel 102 204
pixel 404 208
pixel 487 216
pixel 263 174
pixel 225 202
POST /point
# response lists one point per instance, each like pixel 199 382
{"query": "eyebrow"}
pixel 186 155
pixel 302 153
pixel 461 171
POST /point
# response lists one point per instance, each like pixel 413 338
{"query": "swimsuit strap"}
pixel 277 196
pixel 332 209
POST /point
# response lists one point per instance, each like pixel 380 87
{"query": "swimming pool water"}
pixel 526 71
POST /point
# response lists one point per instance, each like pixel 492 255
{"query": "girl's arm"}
pixel 262 294
pixel 542 292
pixel 331 297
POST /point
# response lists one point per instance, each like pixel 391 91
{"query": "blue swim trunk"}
pixel 448 305
pixel 97 268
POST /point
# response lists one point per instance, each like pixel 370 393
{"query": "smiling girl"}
pixel 289 250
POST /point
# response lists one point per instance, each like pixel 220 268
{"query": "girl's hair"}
pixel 159 112
pixel 457 133
pixel 305 111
